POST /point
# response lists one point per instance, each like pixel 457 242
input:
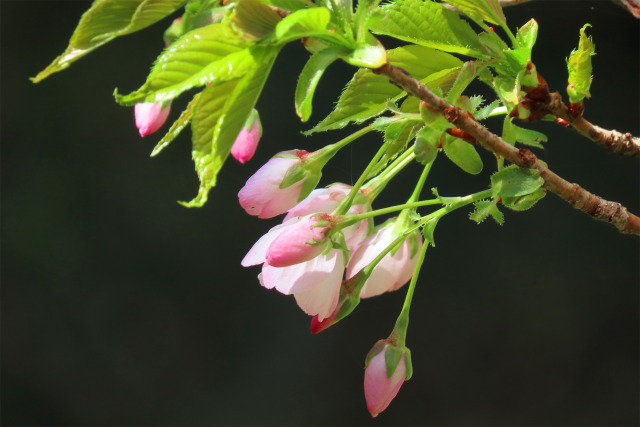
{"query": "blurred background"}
pixel 120 307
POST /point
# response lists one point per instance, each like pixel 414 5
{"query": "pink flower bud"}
pixel 299 242
pixel 150 116
pixel 379 387
pixel 326 200
pixel 262 196
pixel 393 271
pixel 247 141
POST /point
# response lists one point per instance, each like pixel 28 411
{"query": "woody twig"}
pixel 611 212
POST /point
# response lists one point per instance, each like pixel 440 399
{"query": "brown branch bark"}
pixel 600 209
pixel 614 141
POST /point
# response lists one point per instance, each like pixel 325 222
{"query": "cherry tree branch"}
pixel 611 212
pixel 612 140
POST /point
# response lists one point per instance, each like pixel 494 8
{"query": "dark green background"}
pixel 120 307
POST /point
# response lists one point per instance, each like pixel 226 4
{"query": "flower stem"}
pixel 352 219
pixel 345 204
pixel 334 148
pixel 377 184
pixel 402 323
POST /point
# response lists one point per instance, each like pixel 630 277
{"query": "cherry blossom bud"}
pixel 262 195
pixel 299 242
pixel 247 141
pixel 394 270
pixel 328 199
pixel 386 369
pixel 150 116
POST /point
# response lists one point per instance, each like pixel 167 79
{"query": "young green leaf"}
pixel 484 208
pixel 176 127
pixel 206 55
pixel 464 79
pixel 513 133
pixel 463 154
pixel 514 181
pixel 367 93
pixel 206 113
pixel 104 21
pixel 368 53
pixel 527 34
pixel 291 5
pixel 255 19
pixel 481 10
pixel 303 23
pixel 309 78
pixel 426 146
pixel 430 24
pixel 579 65
pixel 523 203
pixel 219 116
pixel 397 135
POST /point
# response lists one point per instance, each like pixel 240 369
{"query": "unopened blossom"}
pixel 394 270
pixel 380 388
pixel 314 283
pixel 301 241
pixel 150 116
pixel 262 196
pixel 246 143
pixel 327 200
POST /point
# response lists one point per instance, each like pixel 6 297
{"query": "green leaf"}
pixel 291 5
pixel 397 135
pixel 579 65
pixel 366 95
pixel 369 53
pixel 428 231
pixel 303 23
pixel 176 127
pixel 309 78
pixel 486 111
pixel 527 34
pixel 514 181
pixel 104 21
pixel 426 147
pixel 484 208
pixel 463 154
pixel 481 10
pixel 523 203
pixel 218 118
pixel 255 19
pixel 429 24
pixel 464 79
pixel 513 133
pixel 207 55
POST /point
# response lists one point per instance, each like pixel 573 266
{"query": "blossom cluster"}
pixel 317 253
pixel 324 253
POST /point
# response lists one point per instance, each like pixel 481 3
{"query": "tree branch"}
pixel 600 209
pixel 614 141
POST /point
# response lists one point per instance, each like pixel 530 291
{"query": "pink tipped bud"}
pixel 150 116
pixel 382 381
pixel 262 196
pixel 247 141
pixel 300 242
